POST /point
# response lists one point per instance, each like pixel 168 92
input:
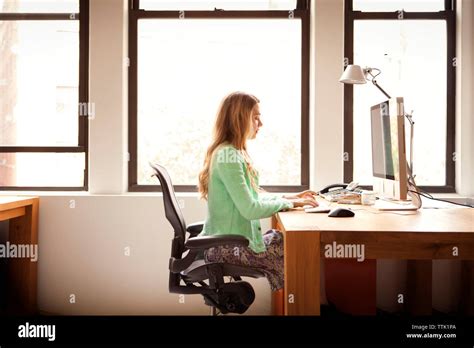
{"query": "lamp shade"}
pixel 353 75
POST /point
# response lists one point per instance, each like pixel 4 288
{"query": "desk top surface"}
pixel 11 202
pixel 368 219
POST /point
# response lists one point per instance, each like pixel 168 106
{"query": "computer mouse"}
pixel 341 212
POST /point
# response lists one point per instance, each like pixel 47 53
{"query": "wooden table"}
pixel 425 235
pixel 22 272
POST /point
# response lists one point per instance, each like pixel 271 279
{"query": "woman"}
pixel 229 183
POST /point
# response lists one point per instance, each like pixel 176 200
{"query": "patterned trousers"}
pixel 270 262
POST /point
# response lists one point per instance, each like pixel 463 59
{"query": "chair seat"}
pixel 198 271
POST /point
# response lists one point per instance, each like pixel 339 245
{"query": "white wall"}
pixel 82 249
pixel 327 98
pixel 108 91
pixel 464 99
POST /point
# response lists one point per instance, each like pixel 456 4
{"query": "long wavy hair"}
pixel 233 125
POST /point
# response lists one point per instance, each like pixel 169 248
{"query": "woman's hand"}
pixel 301 202
pixel 308 194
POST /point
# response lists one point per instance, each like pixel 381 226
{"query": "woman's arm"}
pixel 232 174
pixel 296 200
pixel 271 197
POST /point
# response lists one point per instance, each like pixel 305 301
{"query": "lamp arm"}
pixel 369 72
pixel 381 89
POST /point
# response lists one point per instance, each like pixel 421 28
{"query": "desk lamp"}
pixel 355 75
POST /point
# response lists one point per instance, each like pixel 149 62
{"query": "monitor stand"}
pixel 388 204
pixel 393 205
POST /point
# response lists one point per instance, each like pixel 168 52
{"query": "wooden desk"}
pixel 22 272
pixel 424 235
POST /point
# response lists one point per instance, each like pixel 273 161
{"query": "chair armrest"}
pixel 207 242
pixel 195 228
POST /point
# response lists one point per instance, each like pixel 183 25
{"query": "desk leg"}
pixel 467 288
pixel 22 272
pixel 302 273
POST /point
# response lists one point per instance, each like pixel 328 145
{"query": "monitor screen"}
pixel 385 149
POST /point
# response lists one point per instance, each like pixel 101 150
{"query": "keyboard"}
pixel 320 209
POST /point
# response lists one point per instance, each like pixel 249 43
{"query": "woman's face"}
pixel 255 122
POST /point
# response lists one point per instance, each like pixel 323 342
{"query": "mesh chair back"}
pixel 172 210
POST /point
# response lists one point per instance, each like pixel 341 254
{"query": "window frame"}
pixel 302 11
pixel 448 15
pixel 82 146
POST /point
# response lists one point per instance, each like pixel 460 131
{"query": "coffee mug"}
pixel 367 197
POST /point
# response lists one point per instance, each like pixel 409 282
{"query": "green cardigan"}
pixel 234 207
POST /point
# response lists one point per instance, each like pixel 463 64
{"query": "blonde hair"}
pixel 232 126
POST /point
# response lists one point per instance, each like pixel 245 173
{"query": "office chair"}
pixel 188 270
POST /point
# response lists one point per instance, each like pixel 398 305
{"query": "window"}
pixel 396 5
pixel 183 66
pixel 415 52
pixel 194 5
pixel 43 94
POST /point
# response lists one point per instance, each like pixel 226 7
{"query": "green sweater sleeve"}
pixel 269 198
pixel 232 174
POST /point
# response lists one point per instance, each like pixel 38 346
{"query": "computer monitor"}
pixel 389 166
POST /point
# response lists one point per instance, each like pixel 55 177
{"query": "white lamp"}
pixel 354 74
